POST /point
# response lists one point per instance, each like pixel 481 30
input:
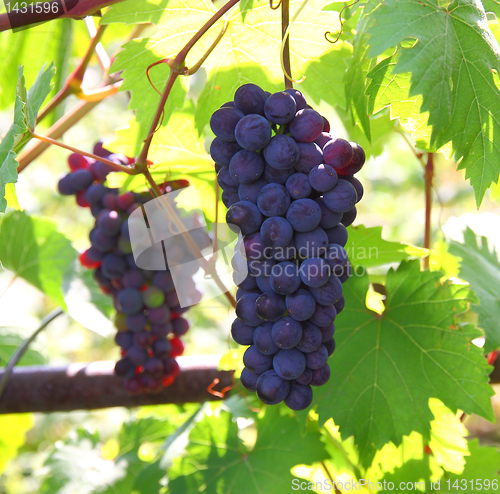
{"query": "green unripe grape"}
pixel 124 245
pixel 153 297
pixel 120 321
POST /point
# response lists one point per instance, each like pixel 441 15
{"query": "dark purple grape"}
pixel 285 278
pixel 80 179
pixel 311 338
pixel 311 244
pixel 275 176
pixel 143 339
pixel 101 241
pixel 223 123
pixel 95 193
pixel 304 215
pixel 273 200
pixel 65 186
pixel 299 397
pixel 324 315
pixel 133 279
pixel 261 268
pixel 272 389
pixel 349 216
pixel 125 368
pixel 124 339
pixel 323 139
pixel 289 364
pixel 164 281
pixel 338 153
pixel 226 181
pixel 329 219
pixel 357 161
pixel 323 178
pixel 276 232
pixel 245 310
pixel 314 272
pixel 263 341
pixel 280 108
pixel 300 100
pixel 330 346
pixel 306 126
pixel 242 333
pixel 245 216
pixel 298 186
pixel 317 359
pixel 154 367
pixel 102 170
pixel 229 198
pixel 310 155
pixel 339 305
pixel 137 322
pixel 337 235
pixel 282 152
pixel 160 315
pixel 250 98
pixel 138 356
pixel 248 283
pixel 341 198
pixel 263 283
pixel 270 306
pixel 249 379
pixel 257 362
pixel 300 305
pixel 129 301
pixel 113 266
pixel 253 132
pixel 161 330
pixel 246 166
pixel 346 273
pixel 162 348
pixel 286 333
pixel 305 377
pixel 327 332
pixel 356 184
pixel 109 222
pixel 254 246
pixel 336 257
pixel 321 376
pixel 329 293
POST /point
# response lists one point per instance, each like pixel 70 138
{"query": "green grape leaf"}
pixel 13 429
pixel 25 112
pixel 492 6
pixel 33 249
pixel 366 247
pixel 481 268
pixel 388 365
pixel 135 12
pixel 481 467
pixel 11 197
pixel 452 67
pixel 10 341
pixel 218 462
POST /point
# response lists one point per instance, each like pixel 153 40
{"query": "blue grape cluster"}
pixel 148 317
pixel 290 189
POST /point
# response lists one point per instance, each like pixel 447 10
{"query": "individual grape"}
pixel 222 151
pixel 253 246
pixel 129 301
pixel 262 267
pixel 101 241
pixel 124 339
pixel 249 379
pixel 338 153
pixel 280 108
pixel 125 200
pixel 303 215
pixel 94 254
pixel 154 367
pixel 310 155
pixel 246 166
pixel 257 362
pixel 120 321
pixel 65 187
pixel 137 322
pixel 229 198
pixel 337 235
pixel 80 199
pixel 242 333
pixel 270 306
pixel 143 339
pixel 339 305
pixel 162 348
pixel 349 216
pixel 250 192
pixel 80 179
pixel 311 244
pixel 300 100
pixel 286 333
pixel 228 104
pixel 95 193
pixel 324 315
pixel 326 125
pixel 311 338
pixel 109 222
pixel 336 257
pixel 248 283
pixel 271 388
pixel 226 180
pixel 346 273
pixel 282 253
pixel 250 98
pixel 113 266
pixel 321 376
pixel 263 283
pixel 276 232
pixel 330 346
pixel 245 310
pixel 240 292
pixel 299 397
pixel 300 305
pixel 161 330
pixel 317 359
pixel 305 377
pixel 298 186
pixel 282 152
pixel 327 332
pixel 125 368
pixel 323 139
pixel 102 170
pixel 289 364
pixel 329 293
pixel 76 161
pixel 245 215
pixel 160 315
pixel 323 178
pixel 273 200
pixel 357 161
pixel 329 219
pixel 164 281
pixel 274 176
pixel 306 126
pixel 263 341
pixel 138 356
pixel 356 184
pixel 223 123
pixel 314 272
pixel 110 201
pixel 253 132
pixel 341 198
pixel 285 278
pixel 153 297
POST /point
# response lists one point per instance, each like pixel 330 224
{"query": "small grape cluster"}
pixel 289 188
pixel 148 317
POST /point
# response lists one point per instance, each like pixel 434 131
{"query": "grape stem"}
pixel 177 67
pixel 207 266
pixel 428 177
pixel 285 21
pixel 116 166
pixel 330 477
